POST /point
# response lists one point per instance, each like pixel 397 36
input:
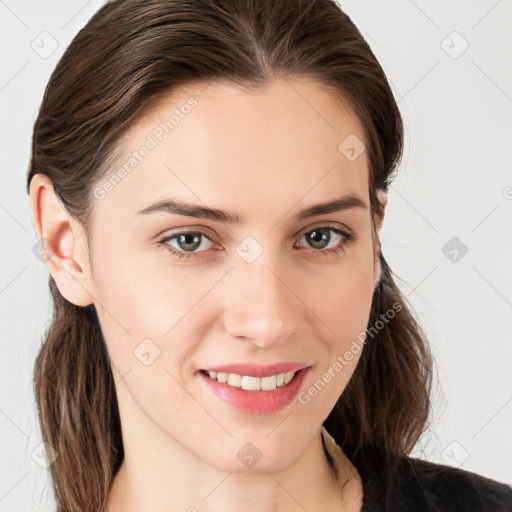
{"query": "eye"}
pixel 187 243
pixel 319 238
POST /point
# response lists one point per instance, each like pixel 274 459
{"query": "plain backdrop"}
pixel 447 234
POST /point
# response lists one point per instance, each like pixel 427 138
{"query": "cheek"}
pixel 148 312
pixel 346 313
pixel 128 304
pixel 145 325
pixel 348 307
pixel 342 308
pixel 342 298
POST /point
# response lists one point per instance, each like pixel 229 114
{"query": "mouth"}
pixel 250 382
pixel 254 394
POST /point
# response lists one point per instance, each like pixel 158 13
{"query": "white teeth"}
pixel 268 383
pixel 288 376
pixel 253 383
pixel 234 380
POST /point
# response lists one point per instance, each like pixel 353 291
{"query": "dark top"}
pixel 416 485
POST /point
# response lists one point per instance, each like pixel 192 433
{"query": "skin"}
pixel 265 155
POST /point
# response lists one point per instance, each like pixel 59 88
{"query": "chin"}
pixel 246 456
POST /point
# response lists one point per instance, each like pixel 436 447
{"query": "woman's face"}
pixel 272 288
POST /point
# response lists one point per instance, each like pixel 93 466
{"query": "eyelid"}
pixel 325 224
pixel 347 235
pixel 203 230
pixel 202 227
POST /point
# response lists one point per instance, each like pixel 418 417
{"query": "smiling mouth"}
pixel 256 395
pixel 251 383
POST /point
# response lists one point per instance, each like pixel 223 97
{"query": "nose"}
pixel 261 305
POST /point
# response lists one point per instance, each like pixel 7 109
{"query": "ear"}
pixel 383 198
pixel 62 240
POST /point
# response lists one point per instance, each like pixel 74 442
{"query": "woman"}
pixel 208 179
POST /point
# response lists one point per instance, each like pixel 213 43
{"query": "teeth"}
pixel 288 376
pixel 234 380
pixel 253 383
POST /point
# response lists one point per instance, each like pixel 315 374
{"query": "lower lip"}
pixel 257 402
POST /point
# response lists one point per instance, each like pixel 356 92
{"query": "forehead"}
pixel 283 142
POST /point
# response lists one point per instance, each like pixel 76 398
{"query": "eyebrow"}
pixel 172 206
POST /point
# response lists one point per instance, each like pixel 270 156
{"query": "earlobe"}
pixel 377 272
pixel 63 241
pixel 383 198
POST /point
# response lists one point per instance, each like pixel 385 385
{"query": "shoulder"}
pixel 412 484
pixel 428 486
pixel 408 484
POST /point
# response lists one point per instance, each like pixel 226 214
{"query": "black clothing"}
pixel 417 485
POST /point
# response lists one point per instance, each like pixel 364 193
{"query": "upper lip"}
pixel 256 370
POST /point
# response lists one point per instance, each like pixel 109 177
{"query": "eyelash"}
pixel 347 238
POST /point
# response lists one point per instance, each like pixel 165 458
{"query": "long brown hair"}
pixel 130 54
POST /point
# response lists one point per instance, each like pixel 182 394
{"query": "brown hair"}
pixel 130 54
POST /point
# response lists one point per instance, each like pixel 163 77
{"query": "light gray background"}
pixel 455 181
